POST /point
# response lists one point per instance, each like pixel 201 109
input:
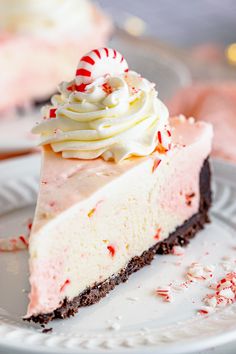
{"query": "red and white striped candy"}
pixel 97 63
pixel 14 243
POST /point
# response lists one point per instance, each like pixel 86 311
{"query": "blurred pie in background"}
pixel 215 103
pixel 40 43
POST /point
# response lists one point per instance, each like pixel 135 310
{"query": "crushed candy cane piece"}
pixel 67 282
pixel 197 272
pixel 205 310
pixel 155 165
pixel 165 294
pixel 224 292
pixel 227 293
pixel 188 198
pixel 14 244
pixel 158 234
pixel 112 250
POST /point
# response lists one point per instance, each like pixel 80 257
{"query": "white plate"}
pixel 167 72
pixel 147 323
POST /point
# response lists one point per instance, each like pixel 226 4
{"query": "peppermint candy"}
pixel 14 244
pixel 98 63
pixel 224 292
pixel 198 272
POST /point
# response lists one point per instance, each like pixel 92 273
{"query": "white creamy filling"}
pixel 126 214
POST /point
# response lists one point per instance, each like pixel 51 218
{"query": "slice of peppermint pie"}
pixel 120 182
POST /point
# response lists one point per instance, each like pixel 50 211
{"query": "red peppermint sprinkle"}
pixel 224 292
pixel 67 282
pixel 188 198
pixel 202 312
pixel 164 294
pixel 52 113
pixel 112 250
pixel 107 88
pixel 159 137
pixel 158 234
pixel 168 132
pixel 155 165
pixel 23 240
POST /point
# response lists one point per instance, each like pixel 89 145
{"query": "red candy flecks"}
pixel 158 234
pixel 24 240
pixel 202 312
pixel 52 113
pixel 112 250
pixel 155 165
pixel 159 137
pixel 67 282
pixel 188 198
pixel 107 88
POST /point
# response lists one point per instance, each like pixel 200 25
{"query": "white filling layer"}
pixel 126 217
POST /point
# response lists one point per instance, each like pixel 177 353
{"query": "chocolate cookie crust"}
pixel 180 237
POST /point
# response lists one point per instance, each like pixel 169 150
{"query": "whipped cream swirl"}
pixel 116 117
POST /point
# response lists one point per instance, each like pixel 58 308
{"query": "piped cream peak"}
pixel 107 111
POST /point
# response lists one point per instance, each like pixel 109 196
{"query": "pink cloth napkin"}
pixel 215 103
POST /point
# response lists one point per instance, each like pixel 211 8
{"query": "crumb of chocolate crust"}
pixel 47 330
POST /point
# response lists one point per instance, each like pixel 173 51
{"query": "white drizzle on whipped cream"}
pixel 115 116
